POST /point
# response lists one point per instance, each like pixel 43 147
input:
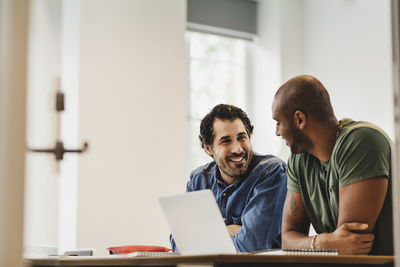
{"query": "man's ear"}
pixel 300 119
pixel 208 150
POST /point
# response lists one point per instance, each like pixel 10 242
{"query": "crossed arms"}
pixel 359 206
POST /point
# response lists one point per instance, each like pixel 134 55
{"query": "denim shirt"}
pixel 255 201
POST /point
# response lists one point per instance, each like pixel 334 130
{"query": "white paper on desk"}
pixel 149 254
pixel 298 252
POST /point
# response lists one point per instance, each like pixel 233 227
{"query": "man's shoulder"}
pixel 268 161
pixel 267 167
pixel 360 137
pixel 202 177
pixel 349 130
pixel 204 170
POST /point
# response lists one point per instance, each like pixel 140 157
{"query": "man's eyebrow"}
pixel 242 133
pixel 224 138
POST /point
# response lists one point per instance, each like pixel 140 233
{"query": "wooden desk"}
pixel 217 260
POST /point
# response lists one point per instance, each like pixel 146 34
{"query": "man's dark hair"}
pixel 222 112
pixel 307 94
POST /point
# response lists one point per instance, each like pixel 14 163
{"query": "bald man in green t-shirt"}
pixel 339 174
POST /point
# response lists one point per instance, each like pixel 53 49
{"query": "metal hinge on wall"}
pixel 59 150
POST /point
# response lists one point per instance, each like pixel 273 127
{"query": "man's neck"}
pixel 227 179
pixel 324 139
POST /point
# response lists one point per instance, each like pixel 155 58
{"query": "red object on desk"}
pixel 134 248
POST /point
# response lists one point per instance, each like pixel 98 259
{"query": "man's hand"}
pixel 233 229
pixel 345 240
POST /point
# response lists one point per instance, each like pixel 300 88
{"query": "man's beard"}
pixel 230 171
pixel 301 143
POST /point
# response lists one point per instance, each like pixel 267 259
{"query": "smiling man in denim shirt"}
pixel 250 189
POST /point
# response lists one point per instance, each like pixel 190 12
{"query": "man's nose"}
pixel 237 147
pixel 277 132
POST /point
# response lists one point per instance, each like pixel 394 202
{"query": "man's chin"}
pixel 238 174
pixel 295 150
pixel 237 170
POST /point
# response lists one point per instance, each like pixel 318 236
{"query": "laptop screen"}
pixel 196 223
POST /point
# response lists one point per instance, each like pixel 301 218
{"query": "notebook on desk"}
pixel 299 251
pixel 196 224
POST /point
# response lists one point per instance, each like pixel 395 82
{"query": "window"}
pixel 218 74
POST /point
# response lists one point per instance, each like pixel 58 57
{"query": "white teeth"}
pixel 237 159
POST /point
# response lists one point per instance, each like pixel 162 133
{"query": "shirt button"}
pixel 224 194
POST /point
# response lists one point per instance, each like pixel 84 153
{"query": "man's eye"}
pixel 278 124
pixel 225 141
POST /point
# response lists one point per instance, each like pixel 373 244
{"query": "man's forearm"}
pixel 343 239
pixel 293 239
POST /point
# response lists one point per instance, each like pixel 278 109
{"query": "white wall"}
pixel 266 76
pixel 344 43
pixel 348 47
pixel 132 102
pixel 279 55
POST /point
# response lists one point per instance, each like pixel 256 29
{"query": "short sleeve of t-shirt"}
pixel 363 153
pixel 292 182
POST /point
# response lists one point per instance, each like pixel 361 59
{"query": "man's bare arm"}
pixel 359 205
pixel 359 202
pixel 362 201
pixel 295 226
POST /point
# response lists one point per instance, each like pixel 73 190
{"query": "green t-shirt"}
pixel 361 151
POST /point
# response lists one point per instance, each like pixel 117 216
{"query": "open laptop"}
pixel 196 224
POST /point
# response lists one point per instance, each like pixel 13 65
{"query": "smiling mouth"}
pixel 237 159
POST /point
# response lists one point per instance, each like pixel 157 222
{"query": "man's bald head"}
pixel 304 93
